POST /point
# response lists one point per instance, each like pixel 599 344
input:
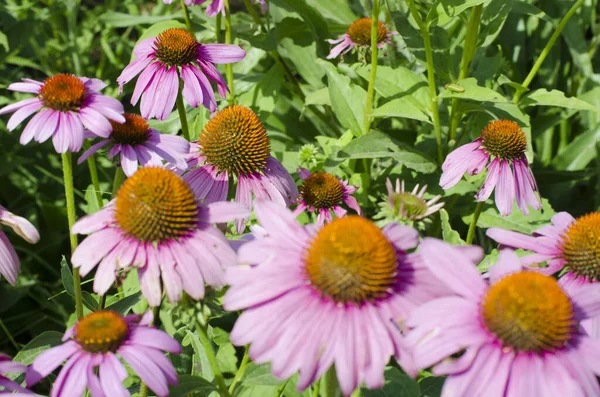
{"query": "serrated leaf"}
pixel 543 97
pixel 192 385
pixel 473 92
pixel 37 345
pixel 396 384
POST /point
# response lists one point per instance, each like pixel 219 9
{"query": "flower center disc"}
pixel 351 260
pixel 235 141
pixel 176 47
pixel 134 131
pixel 63 92
pixel 360 32
pixel 581 247
pixel 322 190
pixel 409 205
pixel 529 312
pixel 156 205
pixel 101 332
pixel 504 139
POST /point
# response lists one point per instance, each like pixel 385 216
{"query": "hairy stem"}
pixel 212 359
pixel 186 16
pixel 473 225
pixel 374 58
pixel 229 66
pixel 91 162
pixel 118 181
pixel 182 114
pixel 240 371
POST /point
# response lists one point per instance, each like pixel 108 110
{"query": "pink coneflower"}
pixel 505 143
pixel 94 342
pixel 322 193
pixel 568 243
pixel 175 54
pixel 156 225
pixel 516 335
pixel 9 261
pixel 137 143
pixel 217 6
pixel 358 35
pixel 7 386
pixel 67 104
pixel 235 143
pixel 315 298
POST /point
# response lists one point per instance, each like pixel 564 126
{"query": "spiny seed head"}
pixel 581 247
pixel 101 332
pixel 63 92
pixel 235 141
pixel 322 190
pixel 135 130
pixel 156 205
pixel 409 205
pixel 529 312
pixel 360 32
pixel 176 47
pixel 504 139
pixel 351 261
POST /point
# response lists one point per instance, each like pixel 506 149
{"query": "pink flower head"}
pixel 9 261
pixel 515 335
pixel 7 386
pixel 322 193
pixel 90 350
pixel 137 143
pixel 235 143
pixel 334 296
pixel 568 243
pixel 505 143
pixel 66 105
pixel 172 55
pixel 358 35
pixel 156 225
pixel 217 6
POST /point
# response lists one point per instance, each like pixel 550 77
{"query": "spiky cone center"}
pixel 359 32
pixel 235 141
pixel 581 247
pixel 63 92
pixel 322 190
pixel 101 332
pixel 504 139
pixel 529 312
pixel 156 205
pixel 351 261
pixel 135 130
pixel 176 47
pixel 408 205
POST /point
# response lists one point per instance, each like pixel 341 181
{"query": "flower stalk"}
pixel 212 359
pixel 186 16
pixel 473 225
pixel 374 59
pixel 91 161
pixel 185 130
pixel 229 67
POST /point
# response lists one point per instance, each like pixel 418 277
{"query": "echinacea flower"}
pixel 9 261
pixel 335 296
pixel 569 243
pixel 157 225
pixel 96 342
pixel 235 143
pixel 173 55
pixel 407 207
pixel 504 142
pixel 322 193
pixel 66 105
pixel 137 143
pixel 358 35
pixel 515 335
pixel 217 6
pixel 9 387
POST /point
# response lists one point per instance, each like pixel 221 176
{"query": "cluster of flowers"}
pixel 340 292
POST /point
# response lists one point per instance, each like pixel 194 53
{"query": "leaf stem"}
pixel 374 59
pixel 473 225
pixel 91 161
pixel 229 66
pixel 212 359
pixel 240 372
pixel 547 48
pixel 67 164
pixel 182 114
pixel 186 16
pixel 118 181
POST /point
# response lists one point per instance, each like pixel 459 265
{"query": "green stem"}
pixel 430 78
pixel 374 59
pixel 316 389
pixel 70 198
pixel 186 16
pixel 330 383
pixel 469 49
pixel 218 27
pixel 240 371
pixel 91 161
pixel 72 33
pixel 473 225
pixel 229 66
pixel 280 389
pixel 212 360
pixel 547 48
pixel 118 181
pixel 254 14
pixel 182 114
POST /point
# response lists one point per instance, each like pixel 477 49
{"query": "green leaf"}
pixel 189 384
pixel 473 91
pixel 89 301
pixel 37 345
pixel 66 276
pixel 4 42
pixel 450 235
pixel 122 20
pixel 310 16
pixel 338 10
pixel 396 384
pixel 91 199
pixel 200 358
pixel 431 386
pixel 543 97
pixel 401 107
pixel 260 375
pixel 159 27
pixel 125 304
pixel 579 153
pixel 318 97
pixel 493 19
